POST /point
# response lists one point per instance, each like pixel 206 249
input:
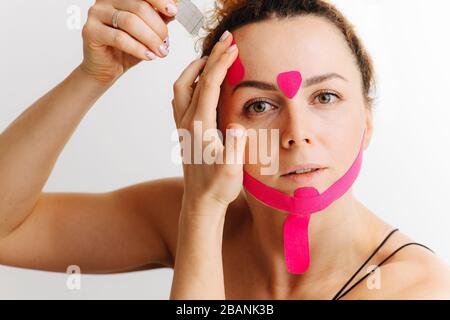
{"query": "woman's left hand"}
pixel 197 101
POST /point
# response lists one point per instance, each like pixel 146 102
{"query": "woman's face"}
pixel 323 123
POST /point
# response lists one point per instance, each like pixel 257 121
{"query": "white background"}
pixel 406 170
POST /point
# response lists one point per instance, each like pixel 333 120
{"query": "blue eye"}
pixel 258 106
pixel 327 95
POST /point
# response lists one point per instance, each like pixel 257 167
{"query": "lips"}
pixel 299 172
pixel 304 177
pixel 303 167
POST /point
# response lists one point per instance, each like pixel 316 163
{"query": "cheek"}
pixel 341 151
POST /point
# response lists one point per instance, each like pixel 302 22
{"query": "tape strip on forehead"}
pixel 236 72
pixel 289 83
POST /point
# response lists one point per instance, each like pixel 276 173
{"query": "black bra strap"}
pixel 360 268
pixel 373 270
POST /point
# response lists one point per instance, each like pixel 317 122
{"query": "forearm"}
pixel 31 144
pixel 198 271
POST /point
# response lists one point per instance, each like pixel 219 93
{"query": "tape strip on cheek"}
pixel 289 83
pixel 236 72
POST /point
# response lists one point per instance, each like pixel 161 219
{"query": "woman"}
pixel 240 257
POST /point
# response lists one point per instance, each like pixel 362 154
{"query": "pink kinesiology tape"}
pixel 289 83
pixel 306 200
pixel 236 72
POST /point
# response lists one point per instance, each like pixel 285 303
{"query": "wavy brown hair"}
pixel 232 14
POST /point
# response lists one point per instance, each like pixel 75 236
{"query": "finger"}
pixel 234 150
pixel 166 19
pixel 136 28
pixel 219 48
pixel 209 88
pixel 147 13
pixel 191 109
pixel 184 86
pixel 167 7
pixel 120 40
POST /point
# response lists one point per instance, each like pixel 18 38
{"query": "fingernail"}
pixel 224 36
pixel 167 42
pixel 171 9
pixel 150 55
pixel 232 48
pixel 163 50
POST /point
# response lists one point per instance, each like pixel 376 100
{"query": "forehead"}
pixel 309 44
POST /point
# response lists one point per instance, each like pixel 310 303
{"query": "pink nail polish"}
pixel 150 55
pixel 163 50
pixel 171 9
pixel 232 48
pixel 167 42
pixel 224 36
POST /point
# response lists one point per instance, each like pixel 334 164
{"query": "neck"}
pixel 339 240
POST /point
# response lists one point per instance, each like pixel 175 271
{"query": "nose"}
pixel 297 123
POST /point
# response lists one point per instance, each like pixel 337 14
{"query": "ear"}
pixel 369 127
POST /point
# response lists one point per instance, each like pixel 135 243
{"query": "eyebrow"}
pixel 273 87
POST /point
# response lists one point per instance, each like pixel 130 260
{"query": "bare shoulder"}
pixel 424 274
pixel 435 286
pixel 162 197
pixel 164 193
pixel 413 273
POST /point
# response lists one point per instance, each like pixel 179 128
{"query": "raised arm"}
pixel 30 146
pixel 32 223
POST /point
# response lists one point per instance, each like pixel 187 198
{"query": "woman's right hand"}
pixel 142 34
